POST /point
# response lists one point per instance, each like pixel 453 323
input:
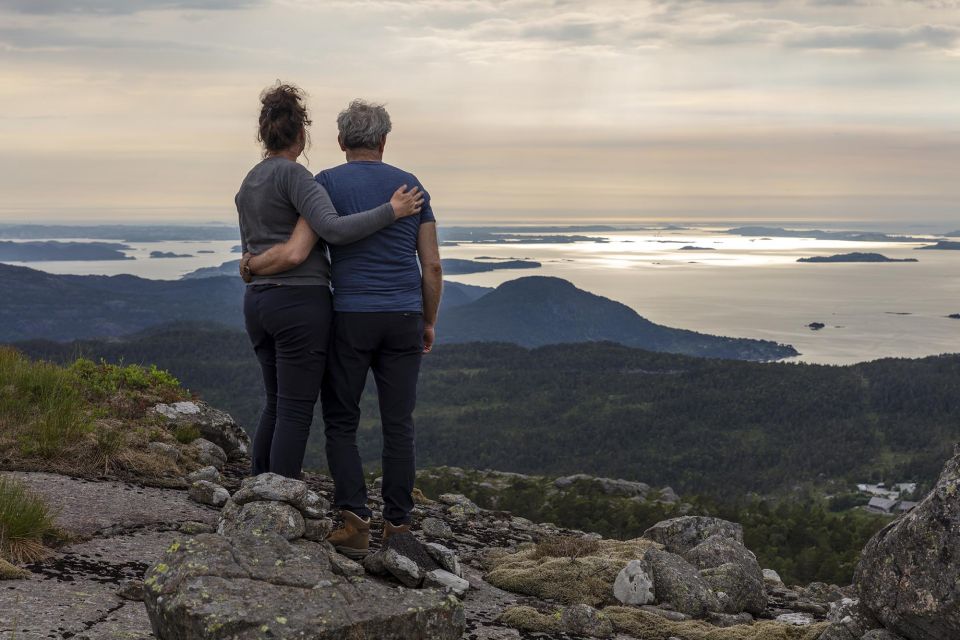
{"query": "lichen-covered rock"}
pixel 909 573
pixel 772 578
pixel 679 535
pixel 313 505
pixel 732 569
pixel 633 584
pixel 679 584
pixel 317 529
pixel 208 453
pixel 585 579
pixel 436 528
pixel 271 486
pixel 212 424
pixel 584 620
pixel 208 493
pixel 260 518
pixel 216 588
pixel 344 566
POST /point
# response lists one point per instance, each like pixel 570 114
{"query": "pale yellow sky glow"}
pixel 508 110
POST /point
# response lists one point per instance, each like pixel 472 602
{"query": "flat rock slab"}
pixel 123 529
pixel 74 593
pixel 88 508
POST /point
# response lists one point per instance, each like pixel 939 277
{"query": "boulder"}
pixel 209 473
pixel 208 453
pixel 271 486
pixel 446 558
pixel 633 584
pixel 732 569
pixel 217 588
pixel 772 578
pixel 208 493
pixel 679 535
pixel 261 518
pixel 584 620
pixel 679 584
pixel 406 559
pixel 908 574
pixel 444 580
pixel 212 424
pixel 436 528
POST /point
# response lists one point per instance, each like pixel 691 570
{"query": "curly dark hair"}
pixel 283 117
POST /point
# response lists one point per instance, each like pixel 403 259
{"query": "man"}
pixel 385 308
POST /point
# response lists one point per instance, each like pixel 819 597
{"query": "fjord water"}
pixel 729 285
pixel 754 288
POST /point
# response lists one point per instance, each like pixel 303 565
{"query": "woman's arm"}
pixel 313 203
pixel 283 257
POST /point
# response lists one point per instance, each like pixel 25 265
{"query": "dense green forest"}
pixel 803 539
pixel 717 428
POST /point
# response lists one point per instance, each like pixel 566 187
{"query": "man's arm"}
pixel 283 257
pixel 428 250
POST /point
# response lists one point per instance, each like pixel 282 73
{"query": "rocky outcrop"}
pixel 679 535
pixel 252 586
pixel 259 576
pixel 909 574
pixel 211 424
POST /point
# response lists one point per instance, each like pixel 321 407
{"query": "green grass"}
pixel 42 404
pixel 84 418
pixel 25 523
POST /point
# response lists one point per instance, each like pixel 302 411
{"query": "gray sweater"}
pixel 274 195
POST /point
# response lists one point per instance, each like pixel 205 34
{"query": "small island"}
pixel 816 326
pixel 53 250
pixel 455 266
pixel 954 316
pixel 943 245
pixel 690 247
pixel 169 254
pixel 856 257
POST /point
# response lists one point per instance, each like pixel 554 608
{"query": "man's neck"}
pixel 364 155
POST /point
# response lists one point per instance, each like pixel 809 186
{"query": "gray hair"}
pixel 363 125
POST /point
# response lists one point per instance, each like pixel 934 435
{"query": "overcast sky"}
pixel 507 110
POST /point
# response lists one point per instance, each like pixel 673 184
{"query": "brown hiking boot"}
pixel 390 529
pixel 353 538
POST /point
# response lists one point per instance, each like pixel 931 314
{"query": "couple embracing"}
pixel 343 273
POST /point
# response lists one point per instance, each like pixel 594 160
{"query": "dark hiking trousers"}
pixel 289 326
pixel 392 345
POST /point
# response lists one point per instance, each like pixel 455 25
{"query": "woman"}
pixel 288 314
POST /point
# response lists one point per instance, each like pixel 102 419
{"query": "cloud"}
pixel 115 7
pixel 870 37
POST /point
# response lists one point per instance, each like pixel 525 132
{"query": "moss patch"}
pixel 650 626
pixel 571 579
pixel 529 619
pixel 10 572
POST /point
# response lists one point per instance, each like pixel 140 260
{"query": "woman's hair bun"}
pixel 283 116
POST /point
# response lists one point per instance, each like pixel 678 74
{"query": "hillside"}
pixel 855 257
pixel 529 311
pixel 536 311
pixel 714 427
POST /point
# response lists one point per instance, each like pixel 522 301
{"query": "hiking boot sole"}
pixel 352 553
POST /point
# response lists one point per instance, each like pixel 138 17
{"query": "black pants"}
pixel 289 326
pixel 392 345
